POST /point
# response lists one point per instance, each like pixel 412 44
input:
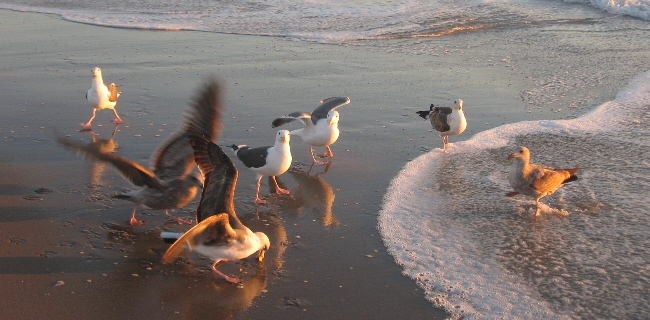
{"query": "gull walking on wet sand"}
pixel 535 180
pixel 267 161
pixel 321 127
pixel 219 235
pixel 171 182
pixel 101 96
pixel 448 121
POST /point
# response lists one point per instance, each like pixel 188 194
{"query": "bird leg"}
pixel 117 119
pixel 134 221
pixel 87 124
pixel 179 220
pixel 329 152
pixel 279 190
pixel 311 150
pixel 217 272
pixel 536 207
pixel 257 193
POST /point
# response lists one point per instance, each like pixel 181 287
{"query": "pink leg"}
pixel 311 150
pixel 117 119
pixel 329 152
pixel 229 279
pixel 257 193
pixel 87 124
pixel 278 189
pixel 177 219
pixel 134 221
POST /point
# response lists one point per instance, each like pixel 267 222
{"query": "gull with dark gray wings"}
pixel 321 127
pixel 219 235
pixel 534 180
pixel 448 121
pixel 102 96
pixel 171 182
pixel 268 161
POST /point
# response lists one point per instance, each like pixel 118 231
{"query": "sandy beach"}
pixel 67 250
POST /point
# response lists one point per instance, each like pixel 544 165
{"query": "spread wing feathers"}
pixel 546 179
pixel 114 94
pixel 213 230
pixel 175 157
pixel 298 115
pixel 132 171
pixel 328 105
pixel 220 176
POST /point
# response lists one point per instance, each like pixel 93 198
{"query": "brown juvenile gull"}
pixel 219 234
pixel 321 126
pixel 101 96
pixel 171 182
pixel 448 121
pixel 535 180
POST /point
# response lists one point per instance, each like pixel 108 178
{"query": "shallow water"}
pixel 483 254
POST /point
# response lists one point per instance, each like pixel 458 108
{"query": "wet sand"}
pixel 67 250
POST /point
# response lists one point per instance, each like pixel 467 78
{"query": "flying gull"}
pixel 267 161
pixel 448 121
pixel 321 127
pixel 171 182
pixel 219 234
pixel 535 180
pixel 101 96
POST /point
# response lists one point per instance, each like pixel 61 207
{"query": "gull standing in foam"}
pixel 448 121
pixel 321 127
pixel 219 234
pixel 267 161
pixel 534 180
pixel 101 96
pixel 170 184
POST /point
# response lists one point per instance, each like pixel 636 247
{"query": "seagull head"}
pixel 97 72
pixel 522 153
pixel 458 104
pixel 265 244
pixel 333 117
pixel 283 136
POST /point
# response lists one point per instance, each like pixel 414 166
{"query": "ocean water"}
pixel 445 219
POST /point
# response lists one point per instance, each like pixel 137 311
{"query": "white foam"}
pixel 478 254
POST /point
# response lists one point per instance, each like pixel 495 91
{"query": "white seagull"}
pixel 219 234
pixel 170 184
pixel 267 161
pixel 448 121
pixel 534 180
pixel 101 96
pixel 321 127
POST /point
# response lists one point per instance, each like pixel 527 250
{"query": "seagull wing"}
pixel 327 106
pixel 299 115
pixel 220 180
pixel 175 157
pixel 134 172
pixel 214 230
pixel 439 117
pixel 546 179
pixel 113 93
pixel 253 157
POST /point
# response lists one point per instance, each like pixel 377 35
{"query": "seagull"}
pixel 170 184
pixel 448 121
pixel 534 180
pixel 321 127
pixel 219 234
pixel 267 161
pixel 101 96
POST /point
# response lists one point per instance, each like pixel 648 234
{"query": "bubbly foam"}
pixel 479 254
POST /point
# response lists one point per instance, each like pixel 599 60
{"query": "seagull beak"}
pixel 260 257
pixel 514 155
